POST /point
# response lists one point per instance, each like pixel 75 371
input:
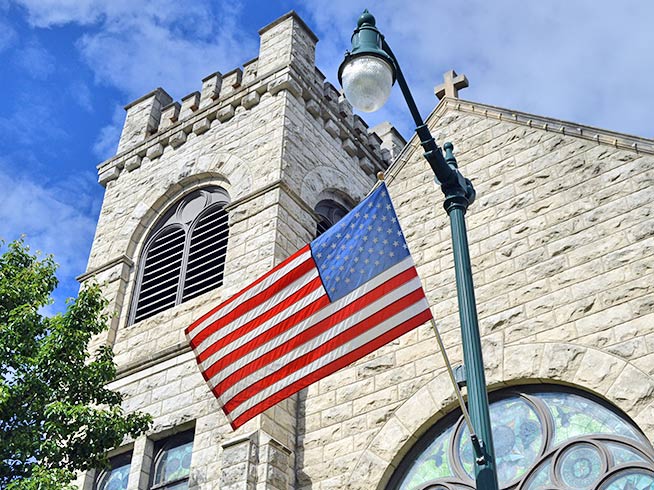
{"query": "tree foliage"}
pixel 56 413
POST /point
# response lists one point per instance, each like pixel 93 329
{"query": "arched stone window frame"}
pixel 182 441
pixel 119 467
pixel 554 456
pixel 182 223
pixel 330 208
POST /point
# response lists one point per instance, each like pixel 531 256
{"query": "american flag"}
pixel 350 291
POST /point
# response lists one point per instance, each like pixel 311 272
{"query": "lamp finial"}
pixel 366 18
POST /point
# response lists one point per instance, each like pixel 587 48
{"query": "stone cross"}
pixel 453 83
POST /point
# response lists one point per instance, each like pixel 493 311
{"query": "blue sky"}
pixel 69 67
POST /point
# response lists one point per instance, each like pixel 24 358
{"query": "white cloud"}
pixel 55 219
pixel 572 60
pixel 81 95
pixel 137 45
pixel 35 60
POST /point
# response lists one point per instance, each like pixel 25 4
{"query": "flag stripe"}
pixel 260 303
pixel 261 284
pixel 283 304
pixel 222 366
pixel 307 337
pixel 277 333
pixel 343 333
pixel 326 370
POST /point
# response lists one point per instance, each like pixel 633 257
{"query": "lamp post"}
pixel 367 75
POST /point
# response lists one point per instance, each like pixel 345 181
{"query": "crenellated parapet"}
pixel 285 65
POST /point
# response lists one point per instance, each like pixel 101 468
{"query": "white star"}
pixel 396 243
pixel 394 220
pixel 338 235
pixel 388 206
pixel 356 259
pixel 319 255
pixel 385 242
pixel 377 262
pixel 367 261
pixel 375 240
pixel 391 254
pixel 347 280
pixel 333 245
pixel 357 214
pixel 384 218
pixel 341 268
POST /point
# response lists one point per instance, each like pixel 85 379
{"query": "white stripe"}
pixel 259 310
pixel 331 356
pixel 371 309
pixel 320 315
pixel 271 279
pixel 268 324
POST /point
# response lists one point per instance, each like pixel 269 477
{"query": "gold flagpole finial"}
pixel 380 176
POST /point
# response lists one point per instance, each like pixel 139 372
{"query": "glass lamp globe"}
pixel 367 82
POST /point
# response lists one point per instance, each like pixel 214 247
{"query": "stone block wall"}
pixel 562 249
pixel 272 134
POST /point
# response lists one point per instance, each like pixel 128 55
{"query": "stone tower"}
pixel 273 142
pixel 264 157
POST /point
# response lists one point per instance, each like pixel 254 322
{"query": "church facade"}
pixel 207 194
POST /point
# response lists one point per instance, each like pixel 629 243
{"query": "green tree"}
pixel 56 414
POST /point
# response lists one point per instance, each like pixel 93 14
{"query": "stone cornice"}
pixel 601 136
pixel 122 259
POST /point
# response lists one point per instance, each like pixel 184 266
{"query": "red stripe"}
pixel 337 341
pixel 193 325
pixel 256 300
pixel 269 334
pixel 264 317
pixel 330 368
pixel 308 334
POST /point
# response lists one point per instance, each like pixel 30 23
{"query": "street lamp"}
pixel 367 75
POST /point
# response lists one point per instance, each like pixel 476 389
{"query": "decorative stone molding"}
pixel 589 369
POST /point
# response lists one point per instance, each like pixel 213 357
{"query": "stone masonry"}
pixel 562 247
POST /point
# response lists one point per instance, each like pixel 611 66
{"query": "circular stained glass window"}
pixel 581 466
pixel 544 438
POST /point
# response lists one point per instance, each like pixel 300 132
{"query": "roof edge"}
pixel 590 133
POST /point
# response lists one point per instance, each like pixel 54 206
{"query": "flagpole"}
pixel 367 74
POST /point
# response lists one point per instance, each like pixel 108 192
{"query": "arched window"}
pixel 116 476
pixel 544 439
pixel 184 256
pixel 172 462
pixel 329 211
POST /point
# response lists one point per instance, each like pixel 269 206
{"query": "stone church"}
pixel 206 194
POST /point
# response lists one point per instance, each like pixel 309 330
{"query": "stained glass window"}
pixel 544 439
pixel 172 464
pixel 116 476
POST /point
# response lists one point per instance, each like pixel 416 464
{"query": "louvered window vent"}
pixel 184 255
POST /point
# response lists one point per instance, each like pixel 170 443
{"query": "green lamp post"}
pixel 367 75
